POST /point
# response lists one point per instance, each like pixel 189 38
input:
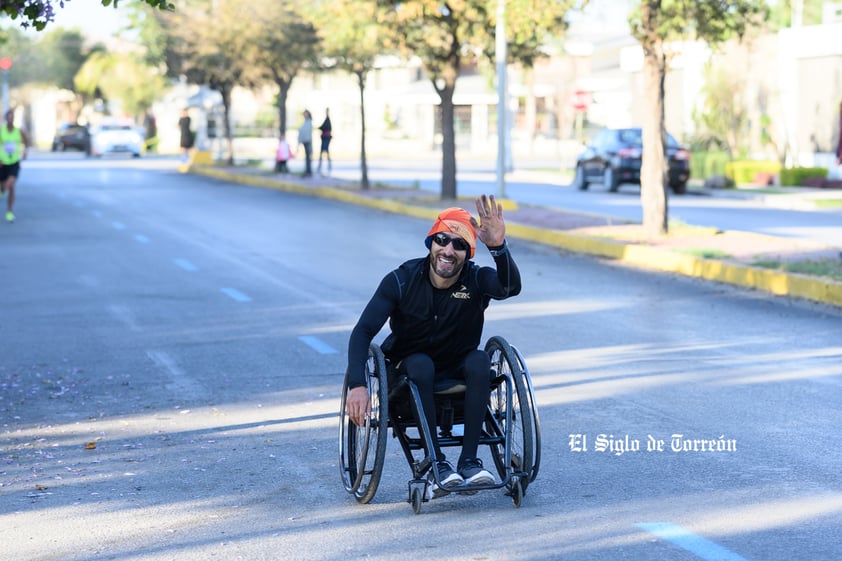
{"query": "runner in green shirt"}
pixel 13 146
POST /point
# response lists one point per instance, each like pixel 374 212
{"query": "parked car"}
pixel 613 158
pixel 116 137
pixel 71 136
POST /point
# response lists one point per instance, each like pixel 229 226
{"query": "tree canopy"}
pixel 40 13
pixel 444 36
pixel 658 24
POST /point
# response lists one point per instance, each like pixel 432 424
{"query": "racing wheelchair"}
pixel 511 428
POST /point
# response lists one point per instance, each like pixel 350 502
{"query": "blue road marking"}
pixel 141 238
pixel 235 294
pixel 186 265
pixel 97 214
pixel 118 225
pixel 697 545
pixel 317 344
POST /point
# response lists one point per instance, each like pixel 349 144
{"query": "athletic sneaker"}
pixel 448 477
pixel 473 473
pixel 10 217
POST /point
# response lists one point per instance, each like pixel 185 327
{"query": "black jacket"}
pixel 445 324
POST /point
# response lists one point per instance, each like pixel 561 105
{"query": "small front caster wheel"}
pixel 416 499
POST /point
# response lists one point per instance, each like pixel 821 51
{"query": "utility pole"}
pixel 501 55
pixel 5 65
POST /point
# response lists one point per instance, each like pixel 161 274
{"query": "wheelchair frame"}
pixel 511 429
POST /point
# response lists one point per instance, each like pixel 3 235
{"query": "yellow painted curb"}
pixel 779 283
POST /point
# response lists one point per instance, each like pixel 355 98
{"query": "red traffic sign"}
pixel 581 99
pixel 5 63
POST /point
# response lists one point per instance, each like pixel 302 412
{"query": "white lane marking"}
pixel 179 381
pixel 124 314
pixel 317 344
pixel 235 294
pixel 186 265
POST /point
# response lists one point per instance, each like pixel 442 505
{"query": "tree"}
pixel 124 78
pixel 444 35
pixel 39 13
pixel 351 41
pixel 284 45
pixel 659 25
pixel 723 116
pixel 212 43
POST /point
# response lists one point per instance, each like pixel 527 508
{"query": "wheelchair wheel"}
pixel 362 449
pixel 536 422
pixel 504 362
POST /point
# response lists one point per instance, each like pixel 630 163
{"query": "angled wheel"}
pixel 579 180
pixel 363 449
pixel 509 412
pixel 536 420
pixel 610 179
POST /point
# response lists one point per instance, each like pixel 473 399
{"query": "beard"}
pixel 446 269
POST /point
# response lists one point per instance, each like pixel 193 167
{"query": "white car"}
pixel 112 137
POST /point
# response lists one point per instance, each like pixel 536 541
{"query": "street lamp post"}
pixel 5 65
pixel 502 98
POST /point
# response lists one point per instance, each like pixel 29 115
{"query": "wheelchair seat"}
pixel 449 387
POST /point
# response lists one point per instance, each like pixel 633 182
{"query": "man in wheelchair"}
pixel 435 306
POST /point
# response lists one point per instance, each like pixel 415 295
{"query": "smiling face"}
pixel 446 262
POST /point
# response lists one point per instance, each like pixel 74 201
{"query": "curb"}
pixel 826 291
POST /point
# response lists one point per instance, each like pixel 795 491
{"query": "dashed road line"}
pixel 186 265
pixel 317 344
pixel 236 295
pixel 688 541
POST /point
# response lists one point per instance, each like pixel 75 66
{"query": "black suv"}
pixel 73 137
pixel 613 158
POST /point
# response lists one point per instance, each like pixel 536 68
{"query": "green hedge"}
pixel 797 176
pixel 708 164
pixel 745 171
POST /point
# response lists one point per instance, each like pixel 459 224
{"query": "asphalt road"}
pixel 172 349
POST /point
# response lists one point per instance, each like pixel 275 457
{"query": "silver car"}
pixel 116 137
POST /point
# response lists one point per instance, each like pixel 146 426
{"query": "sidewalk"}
pixel 725 257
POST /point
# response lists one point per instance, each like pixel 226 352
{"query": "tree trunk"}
pixel 226 104
pixel 448 143
pixel 653 170
pixel 283 92
pixel 363 163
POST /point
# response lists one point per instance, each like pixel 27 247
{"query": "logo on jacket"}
pixel 461 293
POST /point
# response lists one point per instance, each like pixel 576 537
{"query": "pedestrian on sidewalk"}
pixel 283 155
pixel 839 144
pixel 186 140
pixel 327 135
pixel 15 143
pixel 305 138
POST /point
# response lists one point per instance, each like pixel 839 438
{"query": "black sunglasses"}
pixel 458 243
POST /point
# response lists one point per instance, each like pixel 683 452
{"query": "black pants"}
pixel 476 371
pixel 308 158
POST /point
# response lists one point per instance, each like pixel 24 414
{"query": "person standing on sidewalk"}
pixel 186 135
pixel 282 156
pixel 327 134
pixel 305 138
pixel 13 146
